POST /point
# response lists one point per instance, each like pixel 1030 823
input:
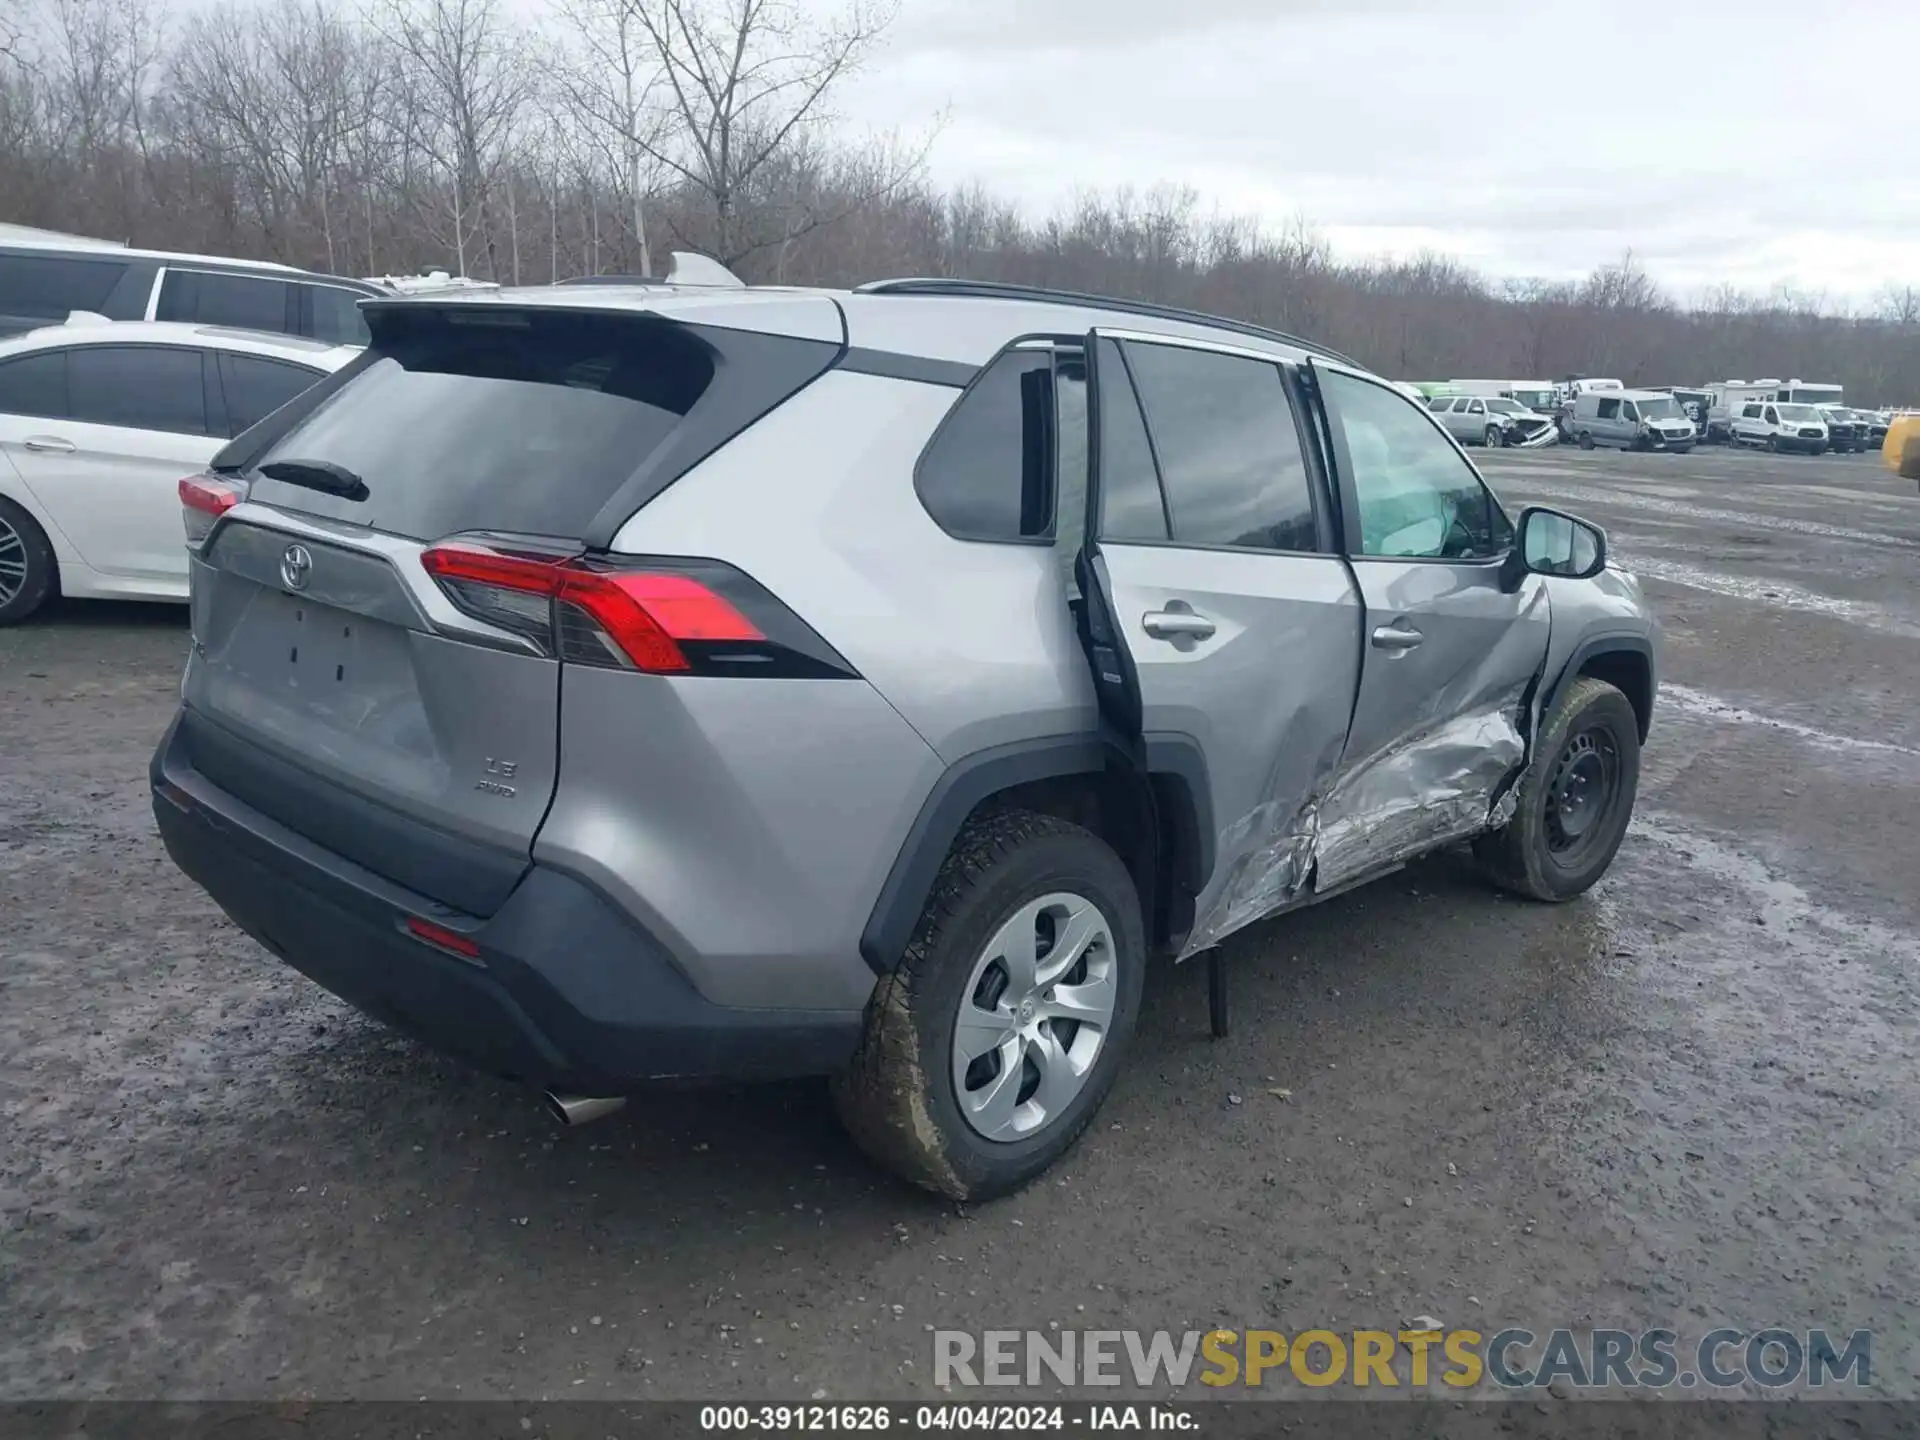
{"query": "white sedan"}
pixel 99 423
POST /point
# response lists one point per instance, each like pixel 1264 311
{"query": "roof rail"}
pixel 995 290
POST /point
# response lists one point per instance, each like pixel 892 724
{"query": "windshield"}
pixel 1665 408
pixel 1799 414
pixel 1840 413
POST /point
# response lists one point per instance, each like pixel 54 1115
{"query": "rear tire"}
pixel 902 1099
pixel 29 574
pixel 1576 798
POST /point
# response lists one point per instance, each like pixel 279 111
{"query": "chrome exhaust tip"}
pixel 580 1109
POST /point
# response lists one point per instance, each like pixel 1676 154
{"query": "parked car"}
pixel 44 282
pixel 1490 421
pixel 1848 431
pixel 98 424
pixel 1876 424
pixel 1631 420
pixel 893 743
pixel 1776 426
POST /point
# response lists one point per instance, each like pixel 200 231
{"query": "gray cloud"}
pixel 1757 151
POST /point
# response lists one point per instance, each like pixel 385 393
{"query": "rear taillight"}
pixel 203 500
pixel 666 617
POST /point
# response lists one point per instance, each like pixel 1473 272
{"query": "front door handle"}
pixel 1170 624
pixel 49 442
pixel 1396 637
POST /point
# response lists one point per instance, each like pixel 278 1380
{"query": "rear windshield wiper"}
pixel 321 475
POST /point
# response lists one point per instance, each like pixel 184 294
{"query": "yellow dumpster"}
pixel 1902 448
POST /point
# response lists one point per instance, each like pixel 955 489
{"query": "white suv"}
pixel 1776 426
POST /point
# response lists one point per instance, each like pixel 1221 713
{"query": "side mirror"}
pixel 1548 542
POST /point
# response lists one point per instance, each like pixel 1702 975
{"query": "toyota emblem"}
pixel 296 564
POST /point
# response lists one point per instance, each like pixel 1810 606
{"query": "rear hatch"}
pixel 381 623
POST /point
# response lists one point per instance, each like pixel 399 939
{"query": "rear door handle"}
pixel 49 442
pixel 1396 637
pixel 1168 624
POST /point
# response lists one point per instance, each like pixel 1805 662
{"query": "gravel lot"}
pixel 1688 1099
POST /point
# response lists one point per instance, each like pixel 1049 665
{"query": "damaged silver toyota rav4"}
pixel 604 684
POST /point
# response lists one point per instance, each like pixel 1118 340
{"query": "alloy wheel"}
pixel 13 562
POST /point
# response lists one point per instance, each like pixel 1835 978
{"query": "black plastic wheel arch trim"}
pixel 1593 647
pixel 967 782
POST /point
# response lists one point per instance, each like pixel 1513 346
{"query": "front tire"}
pixel 1586 440
pixel 1576 798
pixel 990 1047
pixel 1773 444
pixel 1494 438
pixel 29 573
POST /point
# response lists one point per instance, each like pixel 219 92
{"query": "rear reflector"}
pixel 203 500
pixel 635 619
pixel 441 938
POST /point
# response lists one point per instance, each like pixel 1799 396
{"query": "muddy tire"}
pixel 932 1095
pixel 1586 440
pixel 1575 799
pixel 1495 437
pixel 28 571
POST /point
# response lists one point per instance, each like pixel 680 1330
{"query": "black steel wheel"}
pixel 1575 799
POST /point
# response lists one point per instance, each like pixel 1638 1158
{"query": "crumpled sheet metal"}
pixel 1431 788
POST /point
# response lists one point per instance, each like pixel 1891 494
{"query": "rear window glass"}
pixel 524 424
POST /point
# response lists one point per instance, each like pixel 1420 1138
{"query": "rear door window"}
pixel 511 421
pixel 241 302
pixel 256 387
pixel 1229 453
pixel 39 288
pixel 138 387
pixel 35 385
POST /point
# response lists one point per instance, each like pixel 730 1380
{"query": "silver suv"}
pixel 606 683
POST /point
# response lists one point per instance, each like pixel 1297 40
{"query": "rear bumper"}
pixel 568 993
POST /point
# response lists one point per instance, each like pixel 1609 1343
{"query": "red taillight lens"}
pixel 441 938
pixel 634 618
pixel 203 500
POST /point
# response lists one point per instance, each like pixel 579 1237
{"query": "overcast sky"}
pixel 1762 142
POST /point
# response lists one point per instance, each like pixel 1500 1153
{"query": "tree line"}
pixel 445 134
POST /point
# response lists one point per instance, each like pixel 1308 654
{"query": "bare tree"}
pixel 467 86
pixel 1901 304
pixel 606 87
pixel 745 82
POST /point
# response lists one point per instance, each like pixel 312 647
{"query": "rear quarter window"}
pixel 242 302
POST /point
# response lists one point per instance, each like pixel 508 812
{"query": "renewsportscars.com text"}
pixel 1510 1359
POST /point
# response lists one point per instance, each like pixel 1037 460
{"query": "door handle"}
pixel 48 442
pixel 1169 624
pixel 1396 637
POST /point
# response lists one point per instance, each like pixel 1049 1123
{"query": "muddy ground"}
pixel 1687 1100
